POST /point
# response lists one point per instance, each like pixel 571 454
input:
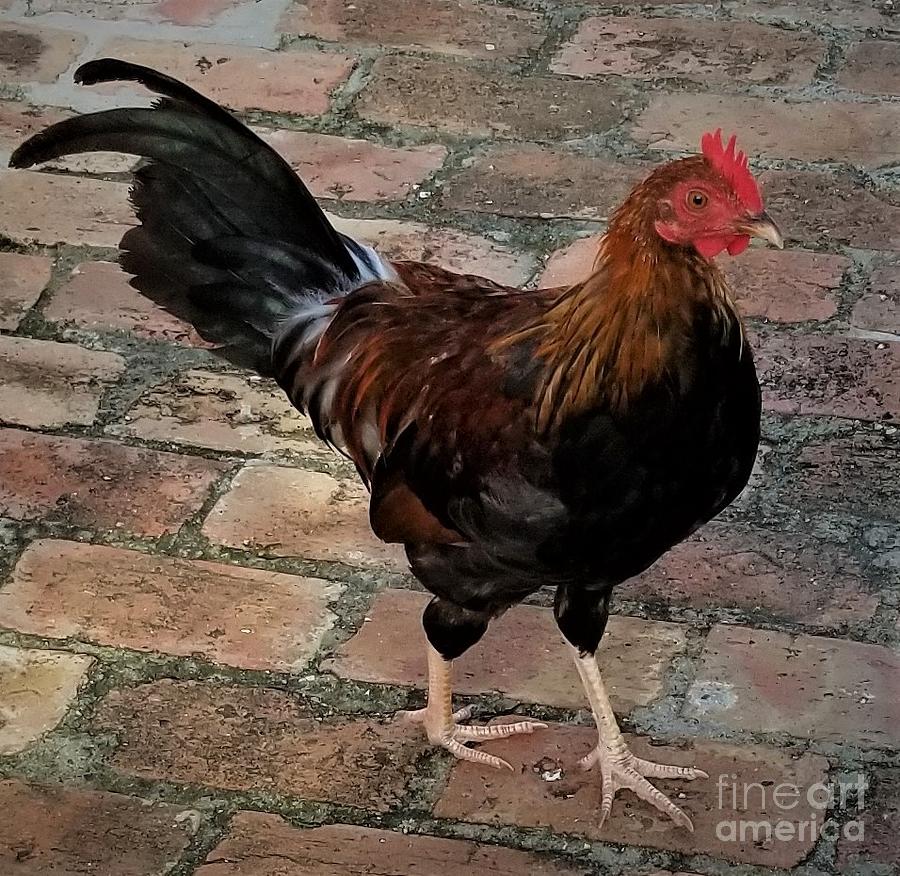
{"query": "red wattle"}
pixel 738 244
pixel 710 247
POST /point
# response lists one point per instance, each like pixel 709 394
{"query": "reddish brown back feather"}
pixel 417 355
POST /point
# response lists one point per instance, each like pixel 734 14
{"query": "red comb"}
pixel 734 167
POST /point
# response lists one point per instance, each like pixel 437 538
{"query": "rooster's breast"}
pixel 637 481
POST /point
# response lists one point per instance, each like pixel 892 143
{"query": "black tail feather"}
pixel 280 267
pixel 114 70
pixel 230 238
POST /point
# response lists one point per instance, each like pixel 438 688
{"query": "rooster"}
pixel 510 440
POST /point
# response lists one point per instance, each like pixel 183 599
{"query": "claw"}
pixel 619 768
pixel 445 728
pixel 625 771
pixel 453 736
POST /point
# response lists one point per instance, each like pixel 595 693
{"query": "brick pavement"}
pixel 200 642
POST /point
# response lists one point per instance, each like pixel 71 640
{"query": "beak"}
pixel 764 226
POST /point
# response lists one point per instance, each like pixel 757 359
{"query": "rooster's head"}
pixel 710 202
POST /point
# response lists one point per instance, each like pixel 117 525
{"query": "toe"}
pixel 636 783
pixel 589 759
pixel 409 716
pixel 474 755
pixel 497 731
pixel 463 714
pixel 608 788
pixel 452 734
pixel 666 771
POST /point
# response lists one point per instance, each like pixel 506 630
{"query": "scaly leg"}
pixel 441 723
pixel 619 768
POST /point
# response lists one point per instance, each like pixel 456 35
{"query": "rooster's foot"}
pixel 624 770
pixel 445 729
pixel 619 768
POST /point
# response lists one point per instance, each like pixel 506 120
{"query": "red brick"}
pixel 571 264
pixel 54 830
pixel 43 383
pixel 690 48
pixel 22 279
pixel 522 656
pixel 183 12
pixel 259 844
pixel 830 376
pixel 538 182
pixel 51 208
pixel 291 512
pixel 97 297
pixel 791 575
pixel 257 739
pixel 856 475
pixel 879 308
pixel 606 4
pixel 873 15
pixel 821 209
pixel 447 247
pixel 36 54
pixel 858 133
pixel 240 617
pixel 355 170
pixel 18 121
pixel 455 27
pixel 790 286
pixel 298 82
pixel 807 686
pixel 99 484
pixel 872 67
pixel 787 286
pixel 534 797
pixel 478 103
pixel 221 411
pixel 36 690
pixel 880 815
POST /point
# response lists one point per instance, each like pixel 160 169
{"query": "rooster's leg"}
pixel 619 768
pixel 442 723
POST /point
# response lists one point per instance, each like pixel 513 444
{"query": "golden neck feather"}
pixel 624 327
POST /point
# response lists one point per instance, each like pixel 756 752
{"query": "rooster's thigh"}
pixel 581 613
pixel 452 629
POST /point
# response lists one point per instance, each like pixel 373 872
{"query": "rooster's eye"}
pixel 696 199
